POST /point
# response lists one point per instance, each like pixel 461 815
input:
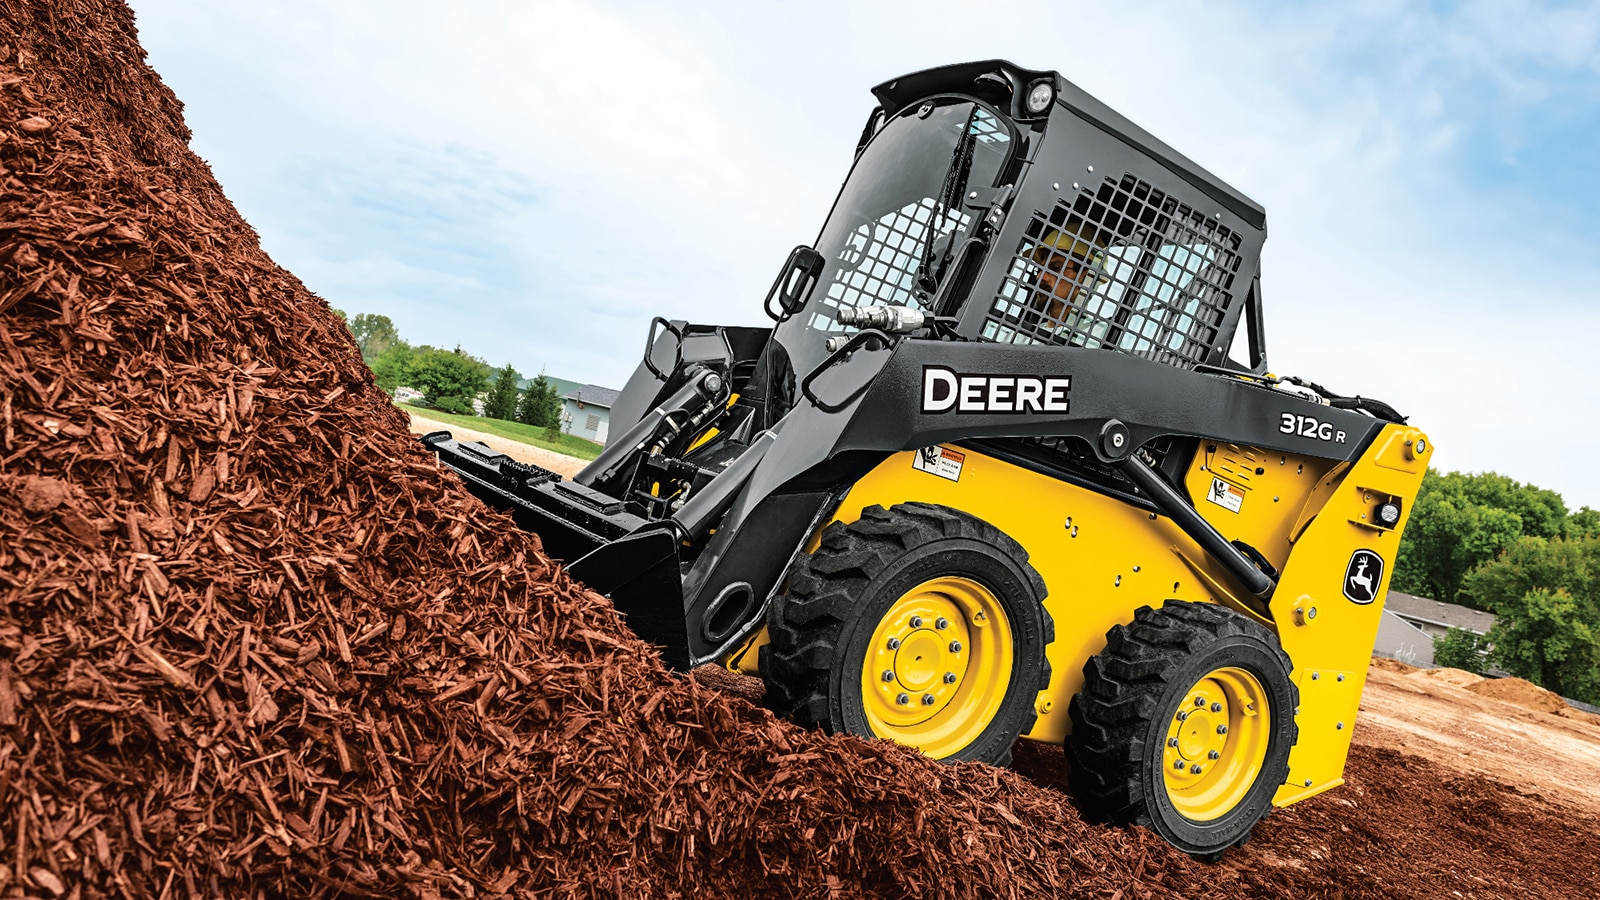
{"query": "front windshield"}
pixel 901 216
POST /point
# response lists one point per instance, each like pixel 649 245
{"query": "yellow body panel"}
pixel 1101 559
pixel 1325 634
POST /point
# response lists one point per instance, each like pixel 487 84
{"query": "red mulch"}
pixel 254 642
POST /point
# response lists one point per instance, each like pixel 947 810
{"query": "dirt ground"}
pixel 560 463
pixel 1435 715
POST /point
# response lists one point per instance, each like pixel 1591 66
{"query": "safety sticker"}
pixel 940 461
pixel 1226 495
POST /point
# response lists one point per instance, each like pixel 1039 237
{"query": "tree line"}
pixel 450 380
pixel 1491 543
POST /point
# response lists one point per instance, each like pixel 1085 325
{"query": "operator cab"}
pixel 1018 207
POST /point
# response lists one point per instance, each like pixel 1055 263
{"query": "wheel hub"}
pixel 1216 741
pixel 916 660
pixel 938 666
pixel 923 659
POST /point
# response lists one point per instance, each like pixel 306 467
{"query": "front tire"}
pixel 1184 725
pixel 919 624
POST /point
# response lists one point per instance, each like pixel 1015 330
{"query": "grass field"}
pixel 515 431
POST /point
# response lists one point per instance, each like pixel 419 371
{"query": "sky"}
pixel 534 180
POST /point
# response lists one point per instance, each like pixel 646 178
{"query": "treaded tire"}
pixel 822 624
pixel 1132 693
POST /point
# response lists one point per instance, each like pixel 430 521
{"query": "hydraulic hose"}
pixel 642 435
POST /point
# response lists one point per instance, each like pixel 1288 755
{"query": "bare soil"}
pixel 1506 729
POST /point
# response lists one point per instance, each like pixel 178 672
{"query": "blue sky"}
pixel 535 180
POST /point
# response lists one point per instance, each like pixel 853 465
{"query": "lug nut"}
pixel 1213 755
pixel 903 699
pixel 1216 707
pixel 949 678
pixel 916 621
pixel 927 700
pixel 1172 742
pixel 941 623
pixel 894 643
pixel 1222 729
pixel 888 674
pixel 1194 769
pixel 1177 764
pixel 955 646
pixel 1199 701
pixel 1183 715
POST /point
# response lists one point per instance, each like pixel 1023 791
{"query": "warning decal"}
pixel 940 461
pixel 1226 495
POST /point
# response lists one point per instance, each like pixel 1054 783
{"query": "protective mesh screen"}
pixel 1120 265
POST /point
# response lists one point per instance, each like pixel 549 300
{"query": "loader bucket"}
pixel 633 561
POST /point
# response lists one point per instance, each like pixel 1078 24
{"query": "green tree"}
pixel 391 368
pixel 1545 595
pixel 1543 637
pixel 1459 648
pixel 502 400
pixel 1583 523
pixel 1530 563
pixel 374 334
pixel 448 379
pixel 1459 521
pixel 541 404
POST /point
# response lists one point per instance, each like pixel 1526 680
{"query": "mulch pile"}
pixel 254 642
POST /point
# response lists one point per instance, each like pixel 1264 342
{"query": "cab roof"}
pixel 1005 84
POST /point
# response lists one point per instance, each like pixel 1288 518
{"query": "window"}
pixel 901 214
pixel 1120 265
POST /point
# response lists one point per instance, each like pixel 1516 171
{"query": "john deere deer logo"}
pixel 1362 577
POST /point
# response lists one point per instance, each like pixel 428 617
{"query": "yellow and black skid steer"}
pixel 1008 463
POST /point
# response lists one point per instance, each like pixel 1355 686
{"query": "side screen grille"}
pixel 1122 266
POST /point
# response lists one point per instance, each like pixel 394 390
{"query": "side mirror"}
pixel 794 283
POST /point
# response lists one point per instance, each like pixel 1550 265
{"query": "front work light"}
pixel 1389 514
pixel 1040 97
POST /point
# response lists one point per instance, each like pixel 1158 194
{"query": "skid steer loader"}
pixel 1009 463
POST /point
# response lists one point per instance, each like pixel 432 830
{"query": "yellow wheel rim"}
pixel 1215 744
pixel 938 666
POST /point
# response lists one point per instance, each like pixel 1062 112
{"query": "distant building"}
pixel 586 412
pixel 1399 639
pixel 1434 618
pixel 563 387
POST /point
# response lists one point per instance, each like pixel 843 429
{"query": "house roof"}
pixel 1434 612
pixel 563 387
pixel 593 395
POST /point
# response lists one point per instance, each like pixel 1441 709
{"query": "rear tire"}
pixel 919 624
pixel 1184 725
